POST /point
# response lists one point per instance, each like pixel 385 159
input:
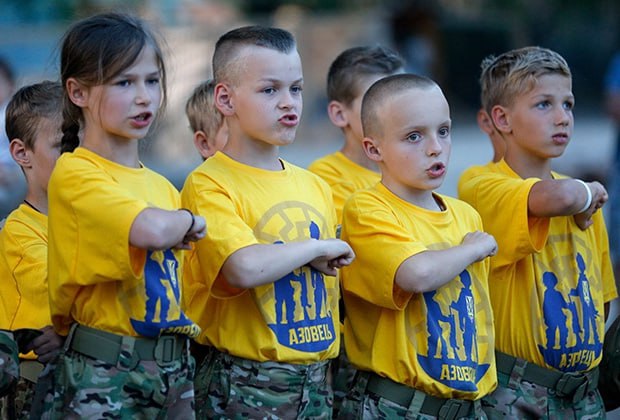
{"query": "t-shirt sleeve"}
pixel 227 232
pixel 502 202
pixel 381 245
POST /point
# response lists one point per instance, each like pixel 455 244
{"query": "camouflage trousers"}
pixel 360 404
pixel 343 374
pixel 17 403
pixel 518 399
pixel 229 387
pixel 83 387
pixel 9 368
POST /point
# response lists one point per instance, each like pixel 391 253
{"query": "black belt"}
pixel 443 408
pixel 571 385
pixel 107 347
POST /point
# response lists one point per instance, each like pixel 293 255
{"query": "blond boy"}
pixel 206 122
pixel 552 277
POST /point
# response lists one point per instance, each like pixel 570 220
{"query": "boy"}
pixel 33 119
pixel 207 123
pixel 552 275
pixel 419 324
pixel 349 77
pixel 262 285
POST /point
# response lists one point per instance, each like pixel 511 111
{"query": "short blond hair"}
pixel 384 90
pixel 201 111
pixel 516 72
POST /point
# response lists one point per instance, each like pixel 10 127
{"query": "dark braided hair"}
pixel 94 51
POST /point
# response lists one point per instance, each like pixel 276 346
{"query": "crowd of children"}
pixel 125 298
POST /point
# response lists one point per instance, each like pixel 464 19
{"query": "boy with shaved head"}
pixel 419 323
pixel 262 286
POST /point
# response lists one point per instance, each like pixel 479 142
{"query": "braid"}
pixel 70 129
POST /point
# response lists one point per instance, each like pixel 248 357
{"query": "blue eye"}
pixel 297 89
pixel 444 131
pixel 568 105
pixel 543 105
pixel 414 137
pixel 269 90
pixel 153 81
pixel 123 83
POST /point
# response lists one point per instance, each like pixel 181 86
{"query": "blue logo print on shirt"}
pixel 443 362
pixel 162 298
pixel 303 319
pixel 574 349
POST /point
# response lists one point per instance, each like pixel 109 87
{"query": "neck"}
pixel 356 154
pixel 37 201
pixel 121 151
pixel 421 198
pixel 527 166
pixel 254 153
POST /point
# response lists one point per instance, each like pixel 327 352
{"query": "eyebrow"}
pixel 274 80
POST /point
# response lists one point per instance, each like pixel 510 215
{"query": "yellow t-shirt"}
pixel 440 342
pixel 23 268
pixel 549 280
pixel 95 277
pixel 344 177
pixel 293 320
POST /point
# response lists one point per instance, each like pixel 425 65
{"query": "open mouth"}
pixel 437 170
pixel 289 119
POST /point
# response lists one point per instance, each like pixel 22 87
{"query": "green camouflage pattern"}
pixel 343 373
pixel 9 368
pixel 519 399
pixel 362 405
pixel 18 402
pixel 87 388
pixel 229 387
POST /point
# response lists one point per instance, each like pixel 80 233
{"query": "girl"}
pixel 115 235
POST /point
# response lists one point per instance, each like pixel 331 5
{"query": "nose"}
pixel 143 94
pixel 287 101
pixel 563 116
pixel 434 146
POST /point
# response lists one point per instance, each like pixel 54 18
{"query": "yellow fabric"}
pixel 247 206
pixel 441 341
pixel 95 277
pixel 344 177
pixel 559 325
pixel 23 268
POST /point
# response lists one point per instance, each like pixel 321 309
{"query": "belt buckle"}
pixel 165 350
pixel 572 384
pixel 450 410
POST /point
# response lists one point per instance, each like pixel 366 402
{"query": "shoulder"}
pixel 322 163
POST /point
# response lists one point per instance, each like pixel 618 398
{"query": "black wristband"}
pixel 193 219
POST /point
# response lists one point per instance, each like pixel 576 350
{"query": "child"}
pixel 207 123
pixel 33 120
pixel 419 324
pixel 262 285
pixel 552 275
pixel 349 77
pixel 115 235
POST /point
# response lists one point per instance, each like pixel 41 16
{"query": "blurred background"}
pixel 444 39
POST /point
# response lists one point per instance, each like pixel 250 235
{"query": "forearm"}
pixel 429 270
pixel 160 229
pixel 564 197
pixel 260 264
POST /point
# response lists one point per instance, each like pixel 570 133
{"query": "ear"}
pixel 501 119
pixel 77 92
pixel 203 145
pixel 337 114
pixel 372 150
pixel 222 97
pixel 20 153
